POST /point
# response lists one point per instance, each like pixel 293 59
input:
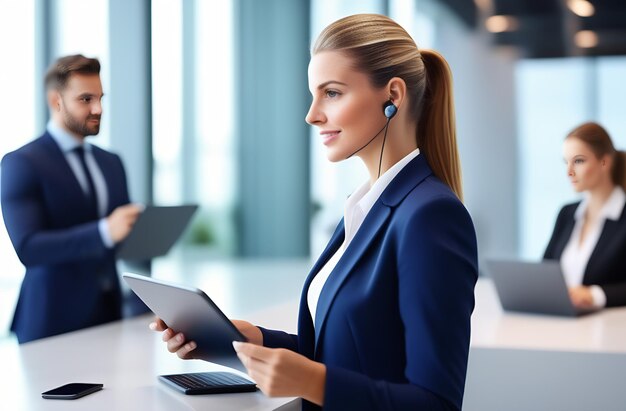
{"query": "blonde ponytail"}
pixel 437 126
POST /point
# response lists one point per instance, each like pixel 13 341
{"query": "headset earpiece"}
pixel 389 109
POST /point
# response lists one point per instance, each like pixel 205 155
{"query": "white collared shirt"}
pixel 356 209
pixel 576 256
pixel 67 143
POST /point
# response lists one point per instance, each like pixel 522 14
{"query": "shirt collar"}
pixel 612 208
pixel 365 197
pixel 63 138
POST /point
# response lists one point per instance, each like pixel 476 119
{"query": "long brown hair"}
pixel 382 49
pixel 599 141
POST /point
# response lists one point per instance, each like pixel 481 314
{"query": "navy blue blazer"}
pixel 393 319
pixel 55 234
pixel 607 264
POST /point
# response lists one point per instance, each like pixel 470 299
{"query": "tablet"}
pixel 190 311
pixel 155 231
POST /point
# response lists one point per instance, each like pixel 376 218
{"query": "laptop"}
pixel 537 288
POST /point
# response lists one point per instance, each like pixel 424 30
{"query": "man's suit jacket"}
pixel 607 263
pixel 393 319
pixel 55 234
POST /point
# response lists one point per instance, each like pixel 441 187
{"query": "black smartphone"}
pixel 71 391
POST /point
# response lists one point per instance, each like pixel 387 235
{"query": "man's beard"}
pixel 82 128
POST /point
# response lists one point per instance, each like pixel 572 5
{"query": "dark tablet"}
pixel 155 232
pixel 190 311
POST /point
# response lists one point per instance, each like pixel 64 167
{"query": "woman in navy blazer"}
pixel 589 236
pixel 384 320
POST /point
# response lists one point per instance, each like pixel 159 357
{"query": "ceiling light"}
pixel 499 24
pixel 582 8
pixel 484 5
pixel 586 39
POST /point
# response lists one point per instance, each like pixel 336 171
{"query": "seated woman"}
pixel 589 237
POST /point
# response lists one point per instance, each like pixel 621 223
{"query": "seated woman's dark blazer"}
pixel 607 264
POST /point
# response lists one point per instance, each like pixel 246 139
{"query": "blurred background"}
pixel 205 102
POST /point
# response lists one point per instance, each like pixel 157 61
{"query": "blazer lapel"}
pixel 305 323
pixel 609 232
pixel 566 233
pixel 377 218
pixel 331 248
pixel 364 237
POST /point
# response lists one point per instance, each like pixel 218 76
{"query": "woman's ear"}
pixel 607 162
pixel 396 90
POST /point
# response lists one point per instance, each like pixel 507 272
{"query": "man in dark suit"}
pixel 65 204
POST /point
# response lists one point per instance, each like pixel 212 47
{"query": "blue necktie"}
pixel 92 199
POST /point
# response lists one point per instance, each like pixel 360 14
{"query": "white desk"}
pixel 517 362
pixel 521 362
pixel 602 332
pixel 127 357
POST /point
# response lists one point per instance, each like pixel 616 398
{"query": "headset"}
pixel 389 110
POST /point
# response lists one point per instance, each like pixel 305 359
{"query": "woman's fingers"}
pixel 158 325
pixel 174 342
pixel 185 351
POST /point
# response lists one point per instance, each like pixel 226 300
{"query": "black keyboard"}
pixel 208 383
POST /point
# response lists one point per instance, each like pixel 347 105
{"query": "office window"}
pixel 416 18
pixel 167 101
pixel 216 151
pixel 82 28
pixel 553 97
pixel 611 92
pixel 17 113
pixel 193 136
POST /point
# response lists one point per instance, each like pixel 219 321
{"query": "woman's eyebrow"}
pixel 321 86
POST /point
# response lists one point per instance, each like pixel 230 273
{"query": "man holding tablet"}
pixel 65 204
